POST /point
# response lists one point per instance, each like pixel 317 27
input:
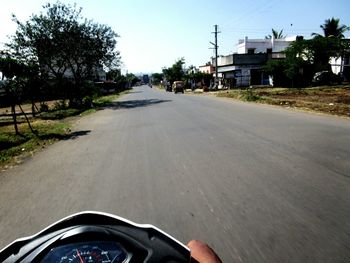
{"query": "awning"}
pixel 226 69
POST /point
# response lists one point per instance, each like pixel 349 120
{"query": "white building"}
pixel 252 46
pixel 341 66
pixel 245 67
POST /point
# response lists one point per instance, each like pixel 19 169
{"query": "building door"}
pixel 255 77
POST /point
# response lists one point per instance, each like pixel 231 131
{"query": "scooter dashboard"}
pixel 88 252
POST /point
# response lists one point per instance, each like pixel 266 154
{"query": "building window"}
pixel 251 50
pixel 346 60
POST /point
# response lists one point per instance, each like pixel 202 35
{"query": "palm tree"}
pixel 331 27
pixel 276 34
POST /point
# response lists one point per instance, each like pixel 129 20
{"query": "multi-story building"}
pixel 245 67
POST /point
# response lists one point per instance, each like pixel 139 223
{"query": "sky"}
pixel 156 33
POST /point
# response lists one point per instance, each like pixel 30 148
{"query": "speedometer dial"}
pixel 87 255
pixel 87 252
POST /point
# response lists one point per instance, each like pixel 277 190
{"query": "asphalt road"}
pixel 258 183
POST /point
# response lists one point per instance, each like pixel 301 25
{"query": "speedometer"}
pixel 87 252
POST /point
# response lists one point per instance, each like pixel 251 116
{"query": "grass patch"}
pixel 240 94
pixel 249 95
pixel 87 112
pixel 104 100
pixel 107 100
pixel 60 114
pixel 14 147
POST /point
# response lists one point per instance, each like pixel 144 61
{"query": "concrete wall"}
pixel 225 60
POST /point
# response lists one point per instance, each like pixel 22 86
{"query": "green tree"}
pixel 113 74
pixel 131 79
pixel 306 57
pixel 10 68
pixel 330 44
pixel 175 72
pixel 339 47
pixel 322 49
pixel 277 69
pixel 332 28
pixel 64 44
pixel 157 78
pixel 303 59
pixel 296 70
pixel 275 34
pixel 16 76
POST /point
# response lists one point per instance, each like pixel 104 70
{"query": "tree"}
pixel 275 34
pixel 306 57
pixel 331 28
pixel 175 72
pixel 113 74
pixel 9 68
pixel 16 75
pixel 131 79
pixel 303 59
pixel 157 78
pixel 65 45
pixel 322 49
pixel 328 45
pixel 297 69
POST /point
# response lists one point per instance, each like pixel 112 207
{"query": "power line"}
pixel 252 11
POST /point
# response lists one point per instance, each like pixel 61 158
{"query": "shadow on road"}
pixel 10 122
pixel 69 136
pixel 130 92
pixel 130 104
pixel 4 145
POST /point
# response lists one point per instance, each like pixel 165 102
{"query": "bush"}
pixel 59 114
pixel 105 87
pixel 326 78
pixel 249 95
pixel 44 107
pixel 60 105
pixel 87 102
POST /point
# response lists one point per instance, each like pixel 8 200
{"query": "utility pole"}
pixel 216 32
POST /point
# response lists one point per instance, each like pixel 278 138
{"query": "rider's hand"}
pixel 202 253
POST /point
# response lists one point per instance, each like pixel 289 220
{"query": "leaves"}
pixel 275 34
pixel 331 27
pixel 175 72
pixel 64 45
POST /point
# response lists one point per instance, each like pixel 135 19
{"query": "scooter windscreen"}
pixel 90 237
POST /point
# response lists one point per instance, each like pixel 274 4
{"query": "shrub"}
pixel 44 107
pixel 60 105
pixel 249 95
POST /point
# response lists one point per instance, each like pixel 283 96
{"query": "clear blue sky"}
pixel 155 33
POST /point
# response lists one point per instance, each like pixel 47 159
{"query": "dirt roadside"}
pixel 328 100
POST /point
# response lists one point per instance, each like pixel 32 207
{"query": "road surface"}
pixel 258 183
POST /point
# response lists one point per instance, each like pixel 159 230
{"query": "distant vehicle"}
pixel 178 86
pixel 167 86
pixel 145 79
